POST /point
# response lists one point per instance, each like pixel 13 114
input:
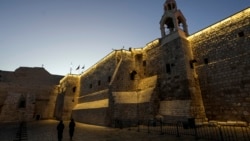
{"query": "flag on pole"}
pixel 78 67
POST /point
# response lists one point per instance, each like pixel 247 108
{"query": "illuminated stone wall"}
pixel 26 93
pixel 203 76
pixel 52 102
pixel 99 76
pixel 67 98
pixel 93 108
pixel 167 60
pixel 222 63
pixel 177 80
pixel 93 101
pixel 141 83
pixel 119 72
pixel 138 104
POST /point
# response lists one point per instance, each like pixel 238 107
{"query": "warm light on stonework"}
pixel 104 60
pixel 154 43
pixel 64 79
pixel 220 24
pixel 92 68
pixel 93 105
pixel 95 93
pixel 133 97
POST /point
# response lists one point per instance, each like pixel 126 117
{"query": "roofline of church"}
pixel 101 60
pixel 243 10
pixel 115 50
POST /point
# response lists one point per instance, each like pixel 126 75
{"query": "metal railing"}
pixel 188 128
pixel 21 134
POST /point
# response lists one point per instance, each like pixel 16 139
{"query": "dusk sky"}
pixel 58 34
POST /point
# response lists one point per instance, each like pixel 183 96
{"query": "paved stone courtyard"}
pixel 45 130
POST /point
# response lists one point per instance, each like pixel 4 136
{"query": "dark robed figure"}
pixel 71 128
pixel 60 128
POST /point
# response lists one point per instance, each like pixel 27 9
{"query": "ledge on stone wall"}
pixel 226 123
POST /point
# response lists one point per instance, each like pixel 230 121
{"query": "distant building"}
pixel 27 94
pixel 205 76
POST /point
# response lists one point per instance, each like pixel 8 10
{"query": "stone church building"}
pixel 205 76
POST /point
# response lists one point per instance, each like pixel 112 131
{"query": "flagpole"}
pixel 70 71
pixel 83 68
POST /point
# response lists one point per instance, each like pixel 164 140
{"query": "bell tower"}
pixel 172 19
pixel 179 93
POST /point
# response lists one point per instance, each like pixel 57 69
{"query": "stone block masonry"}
pixel 222 55
pixel 205 76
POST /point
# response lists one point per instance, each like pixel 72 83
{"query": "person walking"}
pixel 71 128
pixel 60 128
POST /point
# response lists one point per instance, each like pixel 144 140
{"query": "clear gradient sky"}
pixel 59 34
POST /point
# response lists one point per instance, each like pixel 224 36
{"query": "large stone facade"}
pixel 222 63
pixel 67 97
pixel 178 76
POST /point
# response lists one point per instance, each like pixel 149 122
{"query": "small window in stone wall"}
pixel 132 75
pixel 117 60
pixel 109 79
pixel 99 82
pixel 241 34
pixel 168 68
pixel 90 86
pixel 206 60
pixel 22 102
pixel 191 62
pixel 144 63
pixel 74 89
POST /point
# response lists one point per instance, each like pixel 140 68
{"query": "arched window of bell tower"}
pixel 182 24
pixel 169 24
pixel 169 6
pixel 173 5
